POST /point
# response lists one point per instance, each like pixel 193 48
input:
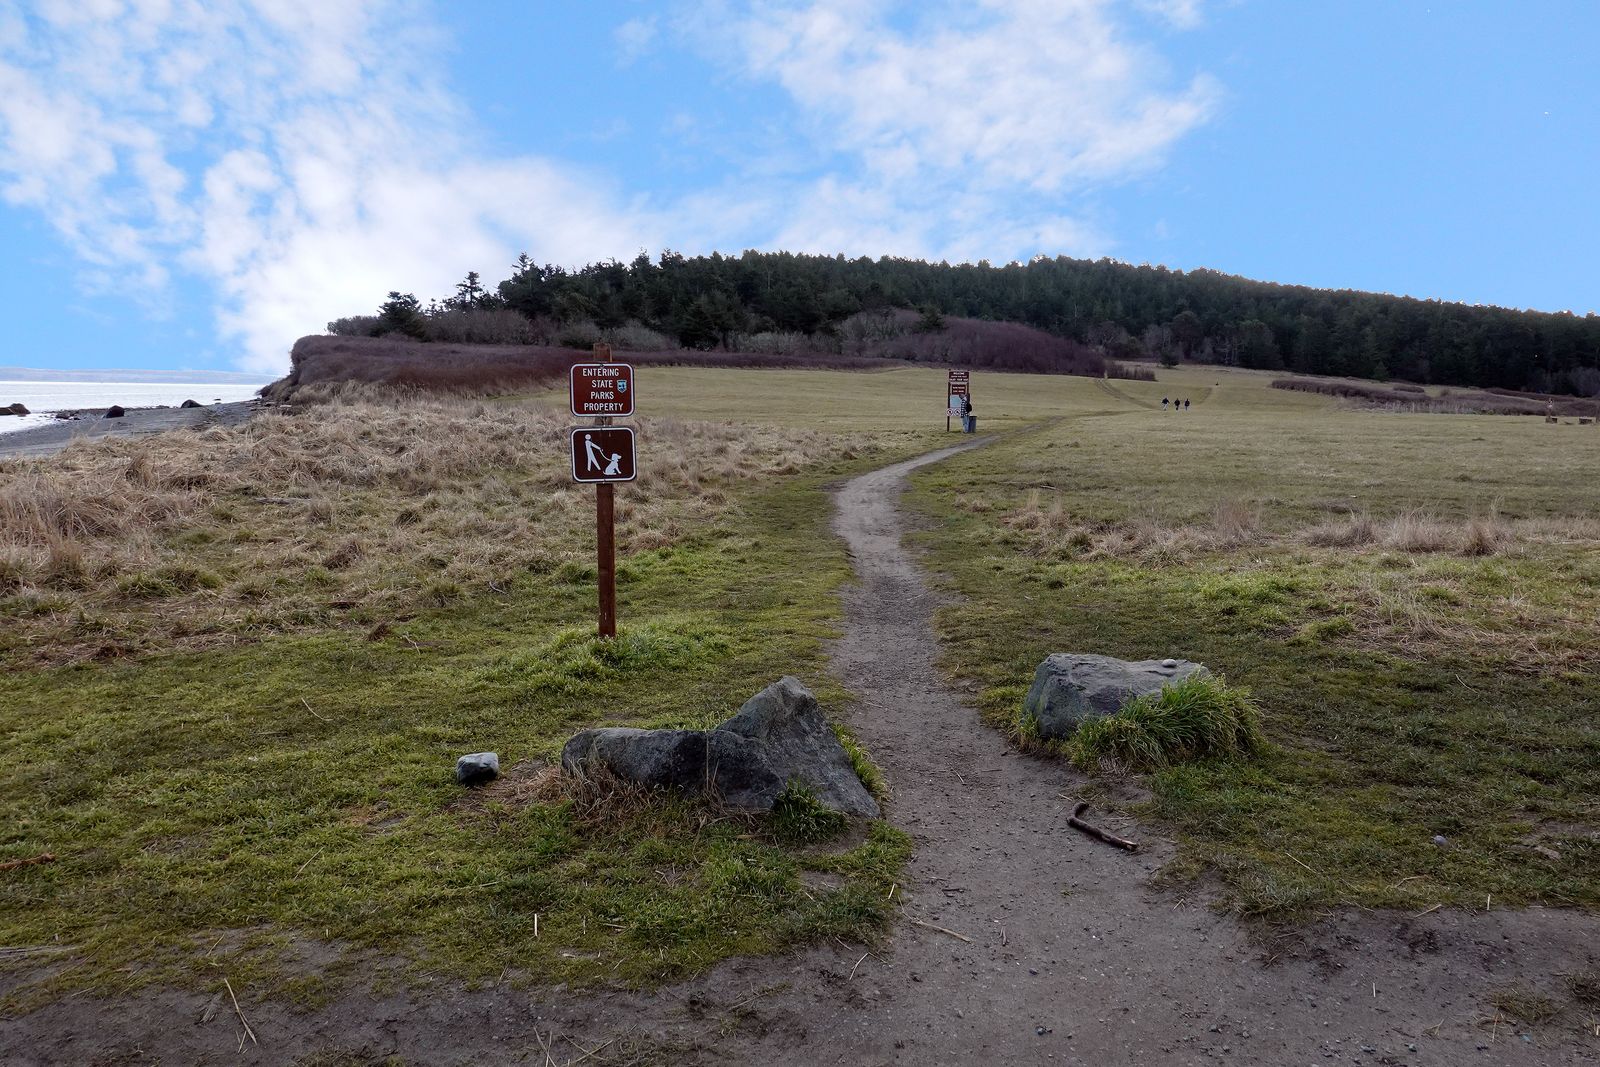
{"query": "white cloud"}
pixel 634 38
pixel 1185 14
pixel 1047 92
pixel 963 126
pixel 296 154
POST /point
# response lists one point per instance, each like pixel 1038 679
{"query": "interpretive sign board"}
pixel 600 390
pixel 958 395
pixel 602 454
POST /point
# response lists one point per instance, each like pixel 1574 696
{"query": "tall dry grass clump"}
pixel 362 505
pixel 1053 532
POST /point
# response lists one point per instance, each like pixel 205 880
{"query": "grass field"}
pixel 1413 600
pixel 230 769
pixel 239 667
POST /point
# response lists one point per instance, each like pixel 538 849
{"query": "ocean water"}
pixel 44 398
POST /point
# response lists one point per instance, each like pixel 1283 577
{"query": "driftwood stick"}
pixel 1077 823
pixel 43 857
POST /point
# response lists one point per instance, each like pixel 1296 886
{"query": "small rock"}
pixel 1440 839
pixel 1041 1030
pixel 477 768
pixel 114 412
pixel 190 404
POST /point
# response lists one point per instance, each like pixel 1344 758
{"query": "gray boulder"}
pixel 190 404
pixel 477 768
pixel 15 409
pixel 115 412
pixel 1070 688
pixel 779 736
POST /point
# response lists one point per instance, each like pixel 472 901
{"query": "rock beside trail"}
pixel 477 768
pixel 779 736
pixel 114 412
pixel 1071 688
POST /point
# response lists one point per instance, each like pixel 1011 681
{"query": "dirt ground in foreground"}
pixel 1022 941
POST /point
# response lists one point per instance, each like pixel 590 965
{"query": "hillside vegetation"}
pixel 784 303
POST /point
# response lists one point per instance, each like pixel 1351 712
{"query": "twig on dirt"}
pixel 43 857
pixel 942 930
pixel 1427 911
pixel 211 1009
pixel 240 1014
pixel 859 962
pixel 1093 831
pixel 544 1043
pixel 892 888
pixel 313 711
pixel 586 1053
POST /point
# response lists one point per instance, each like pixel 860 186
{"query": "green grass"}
pixel 214 813
pixel 1197 718
pixel 1403 694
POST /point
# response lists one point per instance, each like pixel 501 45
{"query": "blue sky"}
pixel 193 185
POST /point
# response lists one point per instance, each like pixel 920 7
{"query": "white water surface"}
pixel 42 399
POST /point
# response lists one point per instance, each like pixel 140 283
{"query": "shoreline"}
pixel 69 425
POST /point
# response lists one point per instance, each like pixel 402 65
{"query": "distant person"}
pixel 1163 403
pixel 1186 403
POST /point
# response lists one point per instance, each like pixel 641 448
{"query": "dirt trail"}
pixel 1065 954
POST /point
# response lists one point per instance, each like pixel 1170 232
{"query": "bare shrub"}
pixel 483 326
pixel 633 337
pixel 1124 372
pixel 775 343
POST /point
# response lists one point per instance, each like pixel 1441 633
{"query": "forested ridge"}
pixel 761 300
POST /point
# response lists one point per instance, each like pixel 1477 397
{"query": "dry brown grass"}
pixel 1237 523
pixel 364 506
pixel 1232 524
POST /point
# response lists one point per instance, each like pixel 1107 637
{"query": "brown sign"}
pixel 601 389
pixel 960 382
pixel 602 454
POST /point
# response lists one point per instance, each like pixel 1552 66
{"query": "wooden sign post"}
pixel 603 455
